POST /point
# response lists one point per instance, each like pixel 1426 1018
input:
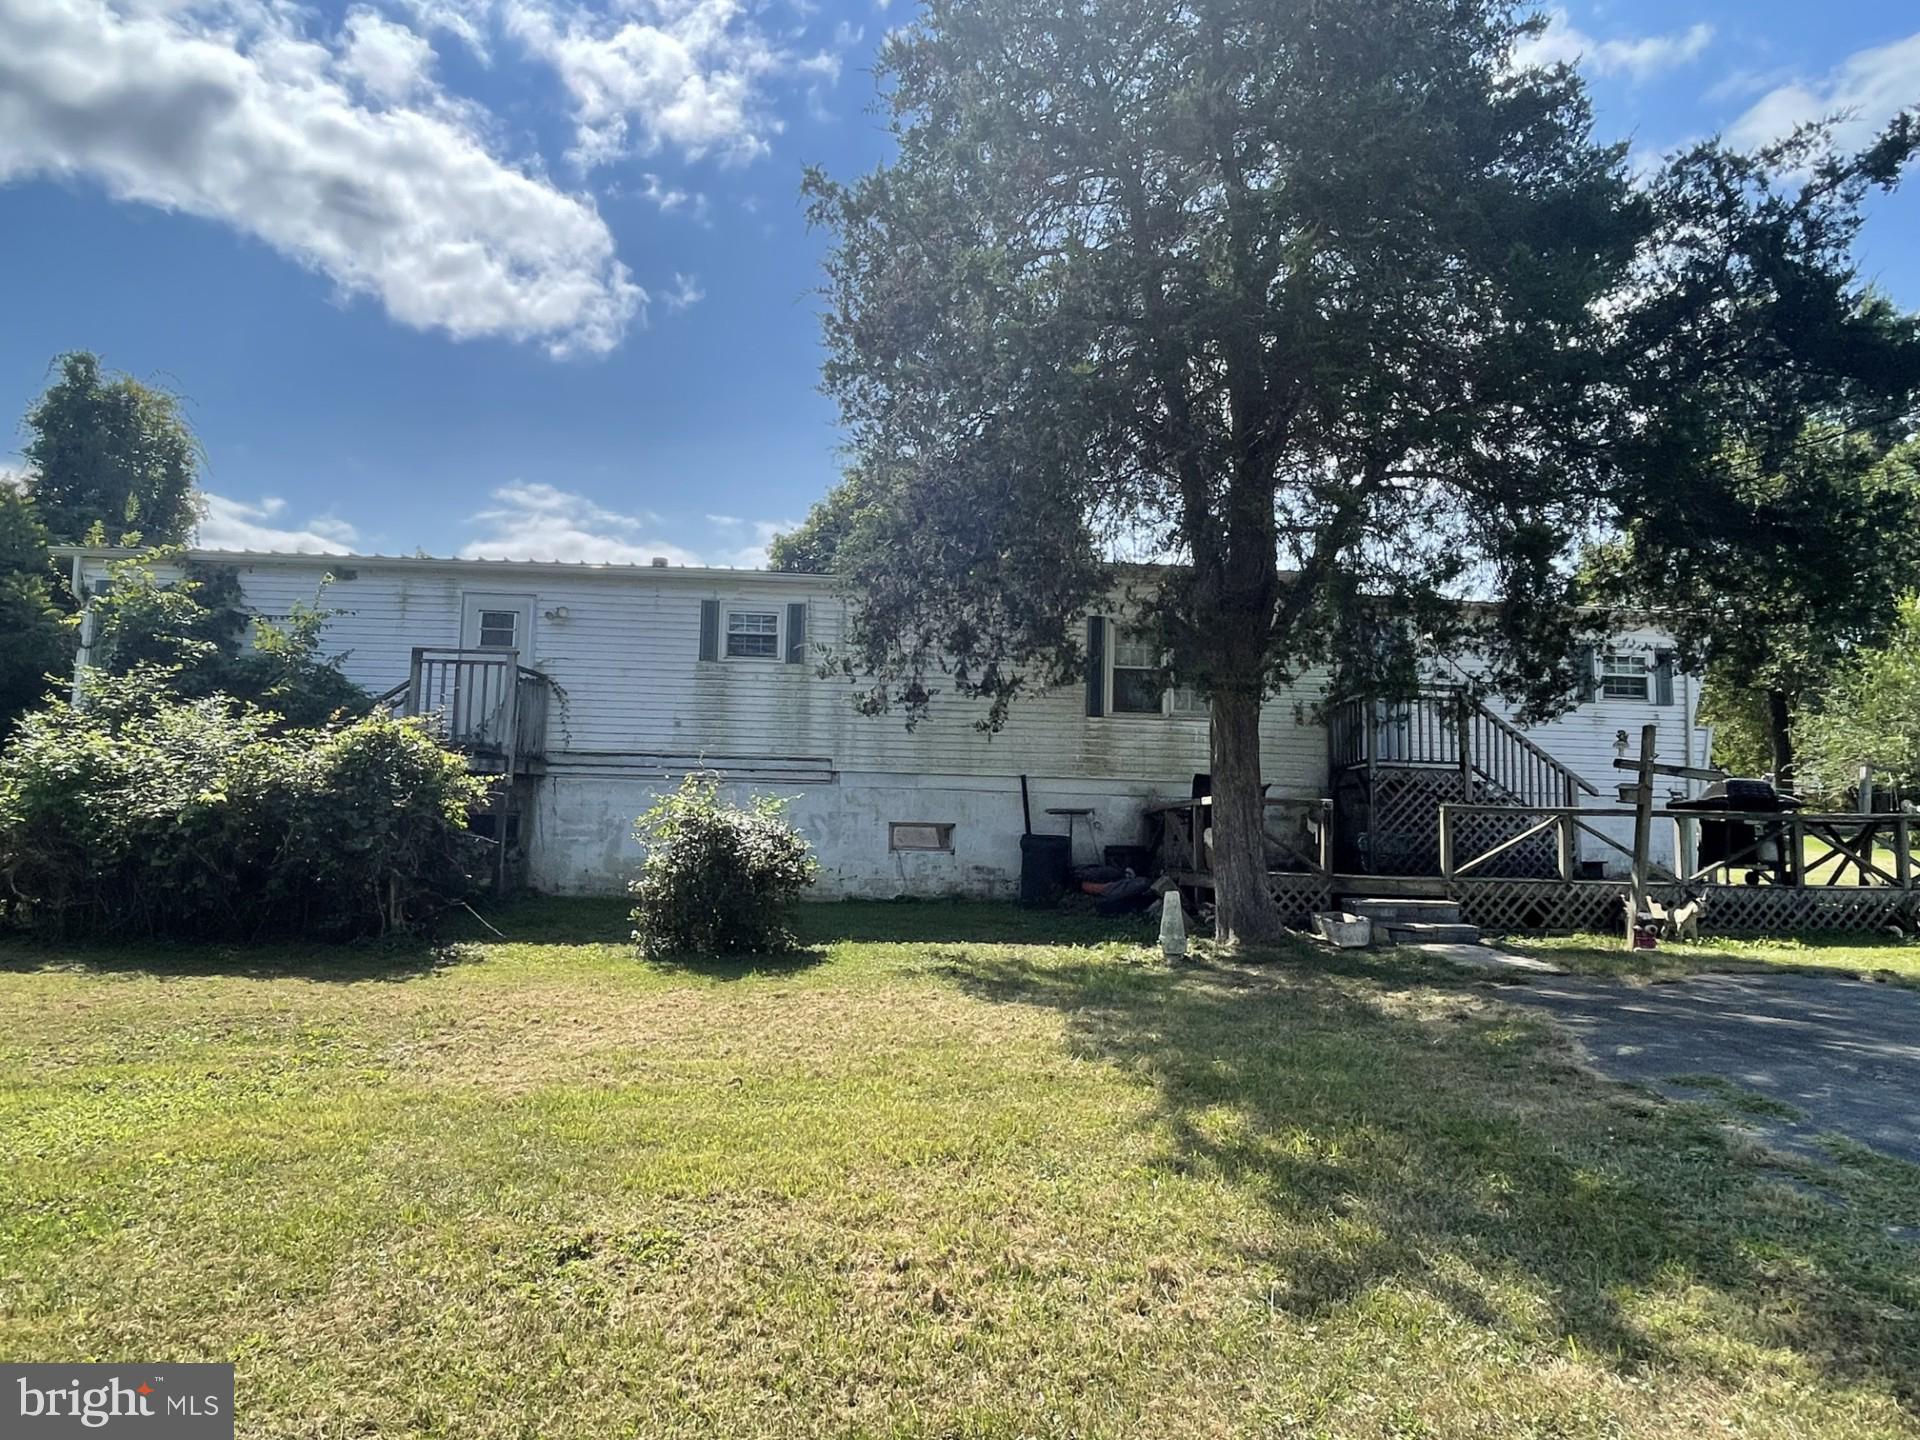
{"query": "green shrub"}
pixel 717 879
pixel 195 633
pixel 145 814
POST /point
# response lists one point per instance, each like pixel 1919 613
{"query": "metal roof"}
pixel 347 560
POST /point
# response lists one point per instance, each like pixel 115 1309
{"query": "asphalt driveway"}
pixel 1845 1054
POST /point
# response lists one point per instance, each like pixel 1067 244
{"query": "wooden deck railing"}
pixel 1443 728
pixel 1779 844
pixel 484 702
pixel 1187 822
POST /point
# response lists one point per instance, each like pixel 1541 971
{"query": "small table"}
pixel 1073 815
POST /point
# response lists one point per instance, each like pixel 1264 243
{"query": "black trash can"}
pixel 1046 868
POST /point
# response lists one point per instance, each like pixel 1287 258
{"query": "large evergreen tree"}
pixel 1307 298
pixel 1326 303
pixel 1774 514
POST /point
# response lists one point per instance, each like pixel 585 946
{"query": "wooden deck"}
pixel 484 703
pixel 1804 873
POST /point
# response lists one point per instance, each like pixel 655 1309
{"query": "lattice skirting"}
pixel 1298 896
pixel 1400 834
pixel 1510 905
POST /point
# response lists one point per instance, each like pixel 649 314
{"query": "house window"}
pixel 918 835
pixel 753 634
pixel 499 629
pixel 1136 675
pixel 1139 682
pixel 1625 677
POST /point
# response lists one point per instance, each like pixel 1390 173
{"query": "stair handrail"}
pixel 1360 707
pixel 1519 736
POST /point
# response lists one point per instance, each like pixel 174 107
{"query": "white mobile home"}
pixel 619 679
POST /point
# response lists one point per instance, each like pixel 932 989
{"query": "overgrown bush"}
pixel 718 879
pixel 144 814
pixel 196 631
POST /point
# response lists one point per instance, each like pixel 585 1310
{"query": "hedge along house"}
pixel 590 688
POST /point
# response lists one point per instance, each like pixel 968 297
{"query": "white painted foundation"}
pixel 582 836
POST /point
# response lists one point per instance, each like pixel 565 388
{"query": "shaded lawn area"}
pixel 924 1182
pixel 1869 957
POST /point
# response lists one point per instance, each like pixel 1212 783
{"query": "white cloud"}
pixel 686 292
pixel 672 199
pixel 1563 42
pixel 753 555
pixel 234 114
pixel 240 525
pixel 388 61
pixel 466 20
pixel 1869 87
pixel 542 522
pixel 691 75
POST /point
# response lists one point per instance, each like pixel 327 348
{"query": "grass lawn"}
pixel 1878 959
pixel 955 1171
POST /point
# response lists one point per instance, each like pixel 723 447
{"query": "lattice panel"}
pixel 1499 906
pixel 1781 909
pixel 1535 858
pixel 1298 896
pixel 1405 834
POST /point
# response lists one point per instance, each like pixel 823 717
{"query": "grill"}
pixel 1725 839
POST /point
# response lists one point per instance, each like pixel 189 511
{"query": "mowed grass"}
pixel 1872 958
pixel 956 1171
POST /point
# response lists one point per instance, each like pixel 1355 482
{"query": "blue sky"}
pixel 531 278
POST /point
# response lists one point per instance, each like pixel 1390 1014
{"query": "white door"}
pixel 498 622
pixel 484 691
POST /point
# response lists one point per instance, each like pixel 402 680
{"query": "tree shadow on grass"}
pixel 565 920
pixel 390 960
pixel 1458 1151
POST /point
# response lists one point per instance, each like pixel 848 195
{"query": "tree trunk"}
pixel 1780 733
pixel 1244 913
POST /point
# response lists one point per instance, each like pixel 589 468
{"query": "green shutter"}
pixel 709 629
pixel 796 632
pixel 1663 677
pixel 1096 665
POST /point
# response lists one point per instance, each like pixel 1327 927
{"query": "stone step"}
pixel 1431 933
pixel 1393 909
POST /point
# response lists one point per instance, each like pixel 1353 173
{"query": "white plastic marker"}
pixel 1173 926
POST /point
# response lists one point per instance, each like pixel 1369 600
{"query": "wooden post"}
pixel 1903 851
pixel 1462 719
pixel 1642 826
pixel 1446 842
pixel 1567 837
